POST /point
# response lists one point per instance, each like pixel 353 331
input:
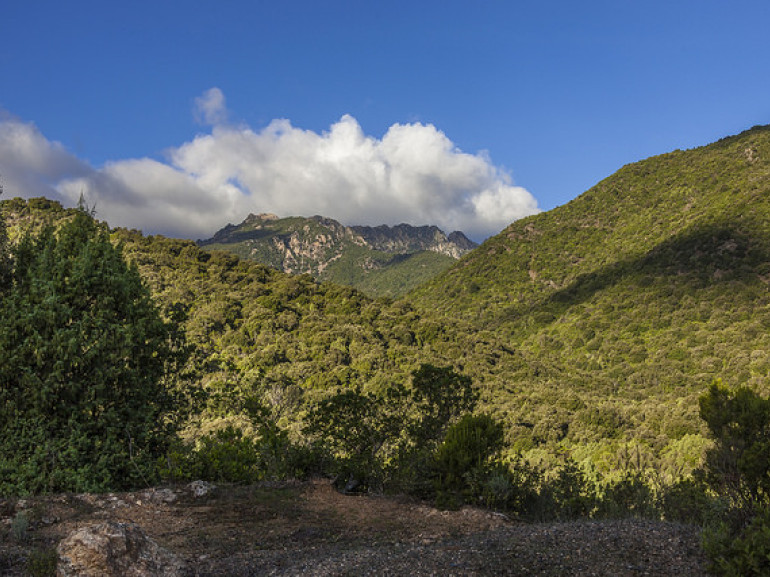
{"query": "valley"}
pixel 573 366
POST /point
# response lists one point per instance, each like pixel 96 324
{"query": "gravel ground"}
pixel 310 529
pixel 608 548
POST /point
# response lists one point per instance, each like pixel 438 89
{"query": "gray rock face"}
pixel 113 549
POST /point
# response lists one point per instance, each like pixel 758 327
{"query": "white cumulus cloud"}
pixel 413 174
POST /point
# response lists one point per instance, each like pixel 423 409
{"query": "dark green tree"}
pixel 467 448
pixel 738 469
pixel 87 366
pixel 738 466
pixel 439 396
pixel 360 430
pixel 375 437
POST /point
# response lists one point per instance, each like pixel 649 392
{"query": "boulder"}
pixel 113 549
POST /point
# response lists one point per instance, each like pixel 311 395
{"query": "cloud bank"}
pixel 413 174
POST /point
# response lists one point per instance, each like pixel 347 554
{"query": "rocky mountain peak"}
pixel 318 245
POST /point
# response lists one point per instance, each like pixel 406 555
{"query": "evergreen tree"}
pixel 4 261
pixel 87 359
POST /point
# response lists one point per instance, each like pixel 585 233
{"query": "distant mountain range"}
pixel 381 261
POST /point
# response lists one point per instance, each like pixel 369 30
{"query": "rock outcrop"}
pixel 113 549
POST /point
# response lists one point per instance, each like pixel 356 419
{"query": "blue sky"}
pixel 178 117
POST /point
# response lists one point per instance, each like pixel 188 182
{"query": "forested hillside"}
pixel 285 340
pixel 589 330
pixel 627 302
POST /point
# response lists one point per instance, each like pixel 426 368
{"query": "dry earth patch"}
pixel 310 529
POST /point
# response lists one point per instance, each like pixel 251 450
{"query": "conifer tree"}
pixel 87 360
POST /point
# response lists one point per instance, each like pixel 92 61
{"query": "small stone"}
pixel 201 488
pixel 159 496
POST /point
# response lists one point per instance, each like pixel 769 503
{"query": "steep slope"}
pixel 629 300
pixel 382 261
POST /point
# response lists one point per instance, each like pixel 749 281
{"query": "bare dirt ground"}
pixel 310 529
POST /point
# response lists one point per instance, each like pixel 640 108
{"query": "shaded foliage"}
pixel 738 466
pixel 465 454
pixel 377 438
pixel 738 470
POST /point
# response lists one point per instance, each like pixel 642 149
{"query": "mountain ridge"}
pixel 382 260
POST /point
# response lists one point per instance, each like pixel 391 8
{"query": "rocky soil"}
pixel 310 529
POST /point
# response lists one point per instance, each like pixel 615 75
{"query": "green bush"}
pixel 511 487
pixel 566 495
pixel 41 563
pixel 357 431
pixel 738 466
pixel 629 495
pixel 230 455
pixel 738 469
pixel 20 527
pixel 687 501
pixel 385 439
pixel 745 553
pixel 227 456
pixel 467 448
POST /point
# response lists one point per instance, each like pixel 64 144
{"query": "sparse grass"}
pixel 41 563
pixel 20 527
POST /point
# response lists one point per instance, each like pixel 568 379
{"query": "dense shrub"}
pixel 738 465
pixel 239 454
pixel 566 494
pixel 359 433
pixel 387 438
pixel 739 553
pixel 687 501
pixel 631 494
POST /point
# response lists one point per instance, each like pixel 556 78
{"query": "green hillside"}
pixel 286 339
pixel 628 301
pixel 567 368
